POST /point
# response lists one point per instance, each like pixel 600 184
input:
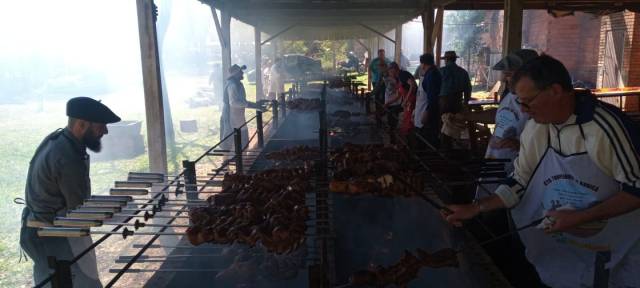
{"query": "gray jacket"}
pixel 58 177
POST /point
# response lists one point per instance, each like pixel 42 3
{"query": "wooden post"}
pixel 258 56
pixel 427 29
pixel 152 86
pixel 438 35
pixel 512 31
pixel 398 45
pixel 226 49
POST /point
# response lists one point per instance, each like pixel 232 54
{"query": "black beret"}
pixel 90 110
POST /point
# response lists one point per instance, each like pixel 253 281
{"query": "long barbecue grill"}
pixel 343 233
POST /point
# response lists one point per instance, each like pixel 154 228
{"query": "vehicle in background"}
pixel 302 67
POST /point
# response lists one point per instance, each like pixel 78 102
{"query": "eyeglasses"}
pixel 527 105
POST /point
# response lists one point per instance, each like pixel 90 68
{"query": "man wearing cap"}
pixel 234 103
pixel 508 117
pixel 454 92
pixel 58 181
pixel 579 167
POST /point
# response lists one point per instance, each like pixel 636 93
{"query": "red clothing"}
pixel 409 104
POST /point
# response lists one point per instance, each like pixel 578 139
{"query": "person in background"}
pixel 374 67
pixel 379 90
pixel 426 116
pixel 234 103
pixel 579 167
pixel 266 67
pixel 455 92
pixel 404 62
pixel 58 181
pixel 392 104
pixel 277 75
pixel 508 118
pixel 406 93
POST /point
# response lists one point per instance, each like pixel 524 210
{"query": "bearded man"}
pixel 58 181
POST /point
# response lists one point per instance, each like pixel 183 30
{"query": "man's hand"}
pixel 564 220
pixel 460 213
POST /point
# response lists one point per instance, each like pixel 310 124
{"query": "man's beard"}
pixel 92 141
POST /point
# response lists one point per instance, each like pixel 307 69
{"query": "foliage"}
pixel 321 50
pixel 462 31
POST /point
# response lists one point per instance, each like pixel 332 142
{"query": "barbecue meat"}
pixel 375 169
pixel 298 153
pixel 405 270
pixel 267 208
pixel 304 104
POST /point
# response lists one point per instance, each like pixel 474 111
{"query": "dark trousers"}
pixel 40 248
pixel 393 115
pixel 451 103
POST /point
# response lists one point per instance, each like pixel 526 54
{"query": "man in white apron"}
pixel 234 103
pixel 578 165
pixel 508 118
pixel 57 181
pixel 277 76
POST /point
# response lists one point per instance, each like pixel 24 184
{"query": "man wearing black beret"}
pixel 58 181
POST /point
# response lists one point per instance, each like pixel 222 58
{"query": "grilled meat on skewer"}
pixel 266 208
pixel 405 270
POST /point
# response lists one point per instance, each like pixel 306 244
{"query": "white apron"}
pixel 421 106
pixel 232 117
pixel 565 260
pixel 510 122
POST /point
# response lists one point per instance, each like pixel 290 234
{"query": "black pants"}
pixel 451 103
pixel 393 115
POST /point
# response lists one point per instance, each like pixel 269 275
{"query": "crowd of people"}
pixel 573 161
pixel 420 109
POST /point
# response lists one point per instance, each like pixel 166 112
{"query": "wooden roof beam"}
pixel 378 33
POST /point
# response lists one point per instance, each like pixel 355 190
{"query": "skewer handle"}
pixel 104 203
pixel 63 232
pixel 133 184
pixel 111 198
pixel 90 215
pixel 128 192
pixel 77 222
pixel 110 209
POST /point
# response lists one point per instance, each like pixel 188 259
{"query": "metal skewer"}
pixel 108 215
pixel 87 223
pixel 82 232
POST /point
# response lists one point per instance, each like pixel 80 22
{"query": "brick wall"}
pixel 572 39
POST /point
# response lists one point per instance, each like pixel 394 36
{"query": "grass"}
pixel 24 126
